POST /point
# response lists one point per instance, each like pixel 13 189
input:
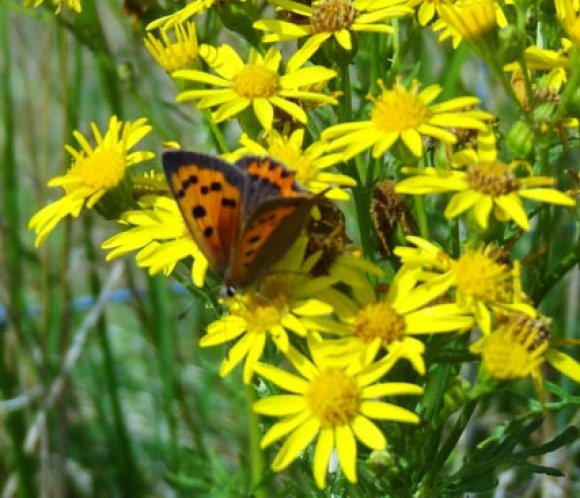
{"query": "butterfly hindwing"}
pixel 209 193
pixel 269 233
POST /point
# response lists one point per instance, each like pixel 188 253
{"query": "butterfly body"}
pixel 243 216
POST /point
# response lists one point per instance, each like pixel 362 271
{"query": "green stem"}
pixel 217 134
pixel 421 215
pixel 345 110
pixel 256 454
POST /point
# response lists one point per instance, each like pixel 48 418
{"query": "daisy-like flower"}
pixel 393 320
pixel 331 18
pixel 471 20
pixel 174 55
pixel 278 305
pixel 159 234
pixel 72 4
pixel 569 18
pixel 480 278
pixel 334 402
pixel 255 84
pixel 517 347
pixel 486 185
pixel 406 113
pixel 95 171
pixel 310 163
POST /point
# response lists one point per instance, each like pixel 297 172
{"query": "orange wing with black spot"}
pixel 209 193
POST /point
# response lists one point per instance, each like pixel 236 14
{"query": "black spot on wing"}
pixel 198 211
pixel 231 203
pixel 208 232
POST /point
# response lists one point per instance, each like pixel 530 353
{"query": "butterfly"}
pixel 243 216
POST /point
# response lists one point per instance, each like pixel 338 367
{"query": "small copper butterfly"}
pixel 243 216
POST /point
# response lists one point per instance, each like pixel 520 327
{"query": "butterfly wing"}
pixel 209 193
pixel 267 179
pixel 275 211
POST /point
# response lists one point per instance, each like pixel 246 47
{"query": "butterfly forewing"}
pixel 208 191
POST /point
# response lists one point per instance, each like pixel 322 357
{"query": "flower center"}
pixel 481 276
pixel 516 347
pixel 263 308
pixel 255 81
pixel 334 397
pixel 259 316
pixel 332 15
pixel 492 178
pixel 379 320
pixel 103 169
pixel 398 110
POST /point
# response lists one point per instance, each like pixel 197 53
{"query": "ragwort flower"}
pixel 518 346
pixel 255 84
pixel 160 236
pixel 480 278
pixel 406 114
pixel 334 402
pixel 471 20
pixel 392 321
pixel 95 171
pixel 173 55
pixel 331 18
pixel 278 305
pixel 310 163
pixel 487 185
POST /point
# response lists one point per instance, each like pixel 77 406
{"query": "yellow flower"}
pixel 481 278
pixel 309 163
pixel 174 55
pixel 331 18
pixel 182 15
pixel 517 347
pixel 255 84
pixel 95 171
pixel 469 19
pixel 406 114
pixel 392 321
pixel 159 234
pixel 278 305
pixel 72 4
pixel 335 402
pixel 487 185
pixel 568 16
